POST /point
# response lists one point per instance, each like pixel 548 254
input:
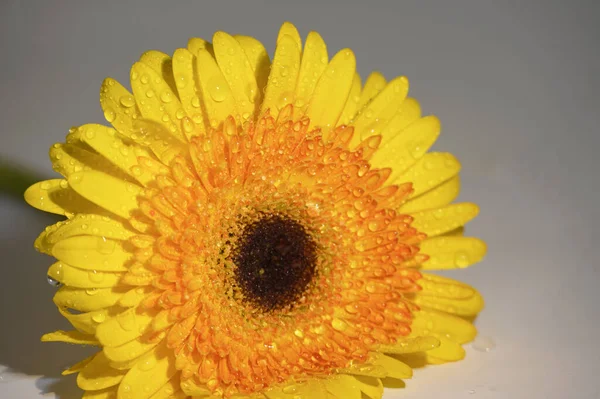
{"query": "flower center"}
pixel 275 260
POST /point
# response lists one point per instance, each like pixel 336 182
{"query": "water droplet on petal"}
pixel 109 115
pixel 95 276
pixel 166 97
pixel 53 282
pixel 216 89
pixel 147 364
pixel 127 101
pixel 99 317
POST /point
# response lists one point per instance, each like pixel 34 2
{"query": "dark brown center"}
pixel 275 260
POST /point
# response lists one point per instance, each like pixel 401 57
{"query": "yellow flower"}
pixel 250 229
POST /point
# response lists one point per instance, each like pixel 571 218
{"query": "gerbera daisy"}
pixel 248 229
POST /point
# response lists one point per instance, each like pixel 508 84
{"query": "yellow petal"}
pixel 196 44
pixel 110 193
pixel 98 374
pixel 352 103
pixel 410 345
pixel 439 286
pixel 191 388
pixel 155 99
pixel 86 322
pixel 55 196
pixel 434 222
pixel 124 327
pixel 108 393
pixel 314 62
pixel 259 61
pixel 70 337
pixel 437 197
pixel 149 374
pixel 429 172
pixel 288 29
pixel 156 136
pixel 238 73
pixel 439 324
pixel 75 277
pixel 167 390
pixel 128 351
pixel 373 85
pixel 93 253
pixel 372 387
pixel 343 387
pixel 448 351
pixel 162 64
pixel 86 300
pixel 311 388
pixel 330 96
pixel 394 367
pixel 379 111
pixel 119 106
pixel 448 295
pixel 283 76
pixel 188 88
pixel 134 296
pixel 466 307
pixel 216 93
pixel 108 144
pixel 409 112
pixel 452 252
pixel 408 147
pixel 84 224
pixel 77 367
pixel 70 158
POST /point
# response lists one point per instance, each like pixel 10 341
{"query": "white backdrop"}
pixel 515 85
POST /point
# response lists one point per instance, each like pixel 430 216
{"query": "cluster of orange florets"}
pixel 231 178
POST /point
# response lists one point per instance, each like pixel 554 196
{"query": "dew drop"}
pixel 105 246
pixel 127 101
pixel 181 82
pixel 339 324
pixel 136 170
pixel 99 317
pixel 290 389
pixel 483 344
pixel 95 276
pixel 53 282
pixel 147 364
pixel 188 125
pixel 145 79
pixel 166 97
pixel 196 102
pixel 90 134
pixel 150 93
pixel 45 185
pixel 461 259
pixel 216 89
pixel 126 321
pixel 109 115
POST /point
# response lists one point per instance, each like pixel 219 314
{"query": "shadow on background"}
pixel 27 309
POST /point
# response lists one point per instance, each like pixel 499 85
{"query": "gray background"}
pixel 515 84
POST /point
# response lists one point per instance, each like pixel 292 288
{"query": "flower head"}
pixel 247 229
